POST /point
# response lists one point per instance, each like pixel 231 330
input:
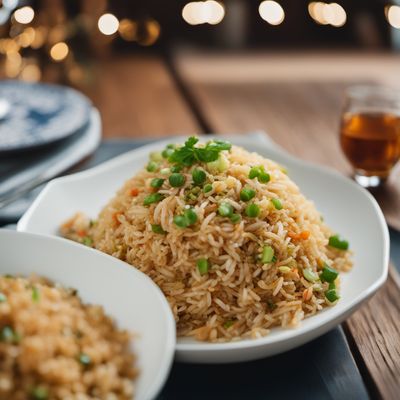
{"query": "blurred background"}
pixel 63 40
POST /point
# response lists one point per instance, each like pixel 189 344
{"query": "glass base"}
pixel 369 181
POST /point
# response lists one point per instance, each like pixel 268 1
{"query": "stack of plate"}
pixel 44 130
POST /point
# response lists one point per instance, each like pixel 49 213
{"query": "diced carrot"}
pixel 305 235
pixel 293 235
pixel 115 217
pixel 134 192
pixel 81 233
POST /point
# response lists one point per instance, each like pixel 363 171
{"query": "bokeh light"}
pixel 108 24
pixel 203 12
pixel 59 51
pixel 272 12
pixel 127 29
pixel 393 16
pixel 24 15
pixel 327 14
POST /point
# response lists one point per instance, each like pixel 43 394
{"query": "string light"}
pixel 203 12
pixel 59 51
pixel 272 12
pixel 393 16
pixel 24 15
pixel 327 14
pixel 108 24
pixel 127 29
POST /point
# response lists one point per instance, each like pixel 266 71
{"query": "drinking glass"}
pixel 370 132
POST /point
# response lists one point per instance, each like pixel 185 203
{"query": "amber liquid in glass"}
pixel 371 142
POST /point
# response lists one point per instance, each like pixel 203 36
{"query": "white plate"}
pixel 127 295
pixel 347 208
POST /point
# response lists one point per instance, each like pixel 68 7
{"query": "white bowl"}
pixel 127 295
pixel 347 208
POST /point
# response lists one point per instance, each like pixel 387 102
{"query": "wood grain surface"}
pixel 137 98
pixel 296 99
pixel 303 117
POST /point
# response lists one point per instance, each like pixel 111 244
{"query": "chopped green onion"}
pixel 190 216
pixel 176 180
pixel 202 265
pixel 35 294
pixel 263 177
pixel 165 171
pixel 84 359
pixel 235 218
pixel 310 275
pixel 155 156
pixel 254 172
pixel 176 168
pixel 157 229
pixel 228 324
pixel 271 305
pixel 267 254
pixel 252 210
pixel 156 182
pixel 7 335
pixel 247 194
pixel 87 241
pixel 167 153
pixel 277 204
pixel 225 209
pixel 152 166
pixel 207 188
pixel 338 243
pixel 332 285
pixel 40 393
pixel 171 146
pixel 284 269
pixel 3 297
pixel 181 221
pixel 219 165
pixel 331 295
pixel 329 274
pixel 152 198
pixel 199 176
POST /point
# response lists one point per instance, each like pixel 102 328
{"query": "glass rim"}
pixel 373 91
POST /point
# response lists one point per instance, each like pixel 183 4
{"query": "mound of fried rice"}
pixel 52 346
pixel 239 296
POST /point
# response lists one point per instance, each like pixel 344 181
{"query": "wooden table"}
pixel 297 99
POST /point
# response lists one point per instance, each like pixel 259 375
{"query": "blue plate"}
pixel 35 114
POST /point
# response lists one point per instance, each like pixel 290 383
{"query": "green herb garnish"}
pixel 152 166
pixel 332 295
pixel 84 359
pixel 3 297
pixel 87 241
pixel 188 154
pixel 235 218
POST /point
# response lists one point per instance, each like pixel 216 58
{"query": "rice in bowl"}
pixel 52 346
pixel 228 237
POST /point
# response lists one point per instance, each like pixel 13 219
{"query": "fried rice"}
pixel 52 346
pixel 236 248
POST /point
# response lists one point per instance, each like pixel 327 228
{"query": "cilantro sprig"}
pixel 188 154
